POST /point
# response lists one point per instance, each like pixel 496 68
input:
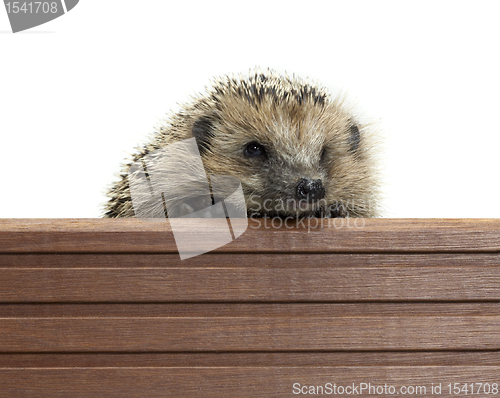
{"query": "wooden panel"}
pixel 250 359
pixel 245 261
pixel 253 284
pixel 250 333
pixel 355 235
pixel 237 382
pixel 92 308
pixel 255 310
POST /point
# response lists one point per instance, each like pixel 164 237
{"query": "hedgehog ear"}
pixel 354 138
pixel 203 130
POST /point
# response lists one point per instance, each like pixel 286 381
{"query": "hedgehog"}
pixel 296 151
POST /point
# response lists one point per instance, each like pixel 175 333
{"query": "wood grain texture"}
pixel 246 359
pixel 92 308
pixel 232 382
pixel 234 310
pixel 254 284
pixel 315 235
pixel 245 261
pixel 146 334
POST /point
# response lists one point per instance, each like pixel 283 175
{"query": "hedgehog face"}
pixel 295 151
pixel 293 159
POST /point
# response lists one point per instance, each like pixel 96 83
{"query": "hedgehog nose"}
pixel 310 190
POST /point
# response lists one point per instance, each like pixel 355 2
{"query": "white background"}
pixel 79 93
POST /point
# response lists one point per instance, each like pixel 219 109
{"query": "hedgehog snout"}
pixel 310 190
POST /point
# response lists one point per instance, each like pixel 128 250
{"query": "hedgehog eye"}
pixel 254 149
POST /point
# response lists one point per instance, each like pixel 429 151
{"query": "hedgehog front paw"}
pixel 185 209
pixel 338 212
pixel 332 212
pixel 194 204
pixel 202 205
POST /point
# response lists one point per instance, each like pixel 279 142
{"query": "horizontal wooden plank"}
pixel 253 284
pixel 315 235
pixel 146 334
pixel 246 359
pixel 244 260
pixel 235 310
pixel 242 382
